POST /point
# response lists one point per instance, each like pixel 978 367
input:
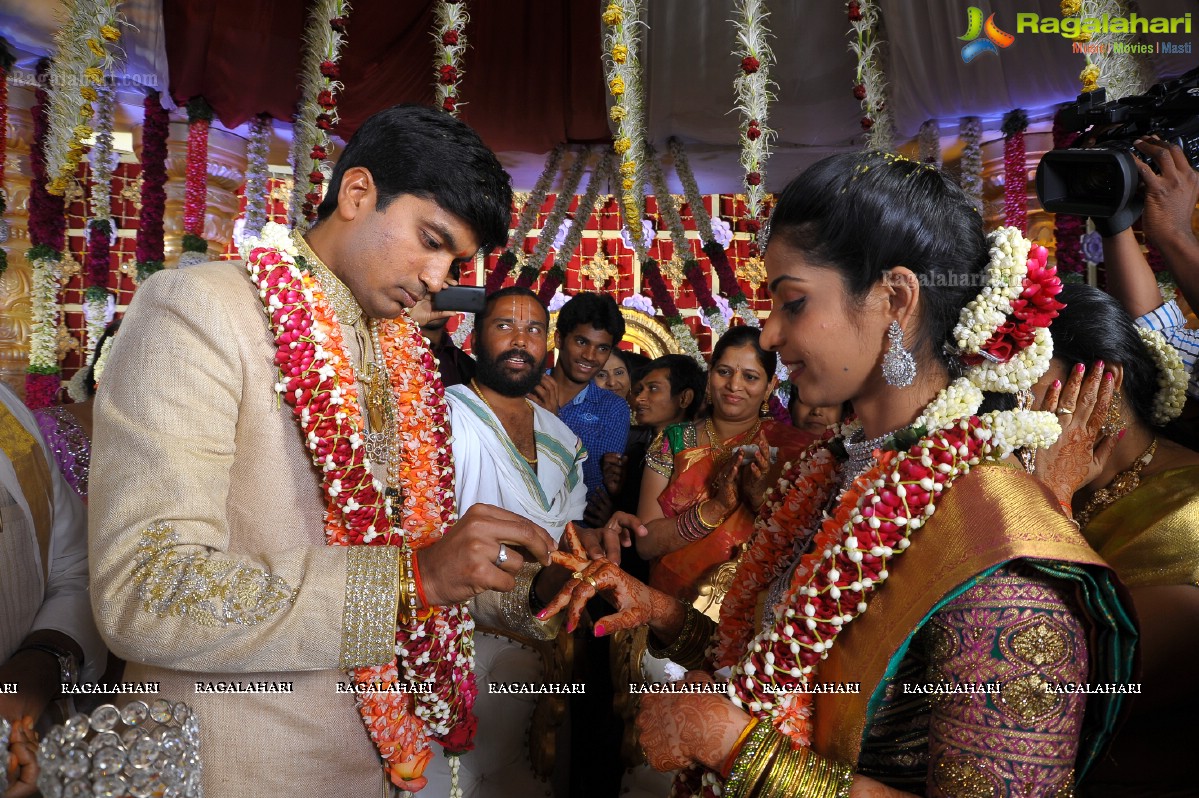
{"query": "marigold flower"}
pixel 617 113
pixel 620 53
pixel 96 46
pixel 616 86
pixel 81 132
pixel 627 184
pixel 1082 36
pixel 110 32
pixel 94 74
pixel 1071 7
pixel 1089 77
pixel 89 94
pixel 628 169
pixel 613 14
pixel 622 145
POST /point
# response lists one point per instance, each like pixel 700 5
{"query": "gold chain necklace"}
pixel 475 387
pixel 721 451
pixel 1123 484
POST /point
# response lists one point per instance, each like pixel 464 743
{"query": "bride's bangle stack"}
pixel 689 649
pixel 768 767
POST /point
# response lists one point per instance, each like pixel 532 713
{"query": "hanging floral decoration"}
pixel 532 267
pixel 85 48
pixel 652 274
pixel 622 19
pixel 528 217
pixel 449 39
pixel 6 62
pixel 1015 170
pixel 557 273
pixel 195 198
pixel 1111 62
pixel 47 234
pixel 1067 228
pixel 870 87
pixel 100 228
pixel 320 73
pixel 711 313
pixel 149 248
pixel 257 174
pixel 753 88
pixel 712 248
pixel 929 141
pixel 971 131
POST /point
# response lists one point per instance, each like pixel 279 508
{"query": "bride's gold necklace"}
pixel 1123 484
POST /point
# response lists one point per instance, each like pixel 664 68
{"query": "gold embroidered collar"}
pixel 348 311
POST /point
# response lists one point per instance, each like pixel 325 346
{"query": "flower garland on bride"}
pixel 433 645
pixel 875 519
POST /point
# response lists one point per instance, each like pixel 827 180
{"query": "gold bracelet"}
pixel 408 595
pixel 758 736
pixel 759 765
pixel 690 647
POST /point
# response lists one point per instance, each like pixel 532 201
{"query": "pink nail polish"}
pixel 599 630
pixel 1109 377
pixel 541 615
pixel 1099 364
pixel 1057 385
pixel 1079 369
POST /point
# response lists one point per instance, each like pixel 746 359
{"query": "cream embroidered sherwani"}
pixel 208 558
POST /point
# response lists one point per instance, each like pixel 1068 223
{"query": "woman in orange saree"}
pixel 697 497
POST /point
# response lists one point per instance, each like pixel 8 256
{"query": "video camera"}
pixel 1097 176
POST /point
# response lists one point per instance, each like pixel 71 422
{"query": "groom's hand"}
pixel 464 563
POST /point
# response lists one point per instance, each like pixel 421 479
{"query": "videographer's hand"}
pixel 1170 193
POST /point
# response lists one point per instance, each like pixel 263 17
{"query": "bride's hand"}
pixel 678 729
pixel 1082 450
pixel 636 603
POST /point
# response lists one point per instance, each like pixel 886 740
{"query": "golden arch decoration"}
pixel 649 335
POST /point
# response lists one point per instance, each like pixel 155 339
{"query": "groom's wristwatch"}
pixel 68 667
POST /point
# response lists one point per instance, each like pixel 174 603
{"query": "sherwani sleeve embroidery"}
pixel 205 590
pixel 372 604
pixel 1020 631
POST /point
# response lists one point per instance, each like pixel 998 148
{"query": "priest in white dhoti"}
pixel 514 454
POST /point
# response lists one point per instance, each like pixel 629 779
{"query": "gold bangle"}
pixel 408 595
pixel 727 766
pixel 699 516
pixel 690 647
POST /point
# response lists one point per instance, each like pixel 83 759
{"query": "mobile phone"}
pixel 463 298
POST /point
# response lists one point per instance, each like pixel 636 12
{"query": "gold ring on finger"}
pixel 577 575
pixel 591 581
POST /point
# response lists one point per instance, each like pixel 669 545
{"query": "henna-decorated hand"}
pixel 636 603
pixel 678 729
pixel 724 488
pixel 1081 451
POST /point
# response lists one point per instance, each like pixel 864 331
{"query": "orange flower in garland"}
pixel 317 379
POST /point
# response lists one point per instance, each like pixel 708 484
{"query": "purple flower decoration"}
pixel 722 232
pixel 726 311
pixel 560 237
pixel 647 235
pixel 641 303
pixel 557 301
pixel 1092 247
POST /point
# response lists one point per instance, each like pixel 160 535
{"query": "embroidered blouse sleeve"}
pixel 659 456
pixel 177 577
pixel 1018 630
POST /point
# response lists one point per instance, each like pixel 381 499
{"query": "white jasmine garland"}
pixel 1004 281
pixel 102 154
pixel 1171 377
pixel 1021 372
pixel 960 399
pixel 43 339
pixel 1021 429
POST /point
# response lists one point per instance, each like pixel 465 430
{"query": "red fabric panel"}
pixel 533 75
pixel 240 55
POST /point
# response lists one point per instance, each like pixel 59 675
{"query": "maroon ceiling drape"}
pixel 533 75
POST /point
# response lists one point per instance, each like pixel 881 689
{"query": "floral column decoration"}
pixel 257 175
pixel 320 73
pixel 870 87
pixel 713 246
pixel 195 197
pixel 47 234
pixel 1067 228
pixel 6 61
pixel 83 55
pixel 1110 61
pixel 149 249
pixel 528 217
pixel 1015 170
pixel 449 39
pixel 752 87
pixel 716 311
pixel 971 130
pixel 564 250
pixel 98 303
pixel 623 67
pixel 549 231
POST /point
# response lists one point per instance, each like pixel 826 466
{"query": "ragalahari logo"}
pixel 994 39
